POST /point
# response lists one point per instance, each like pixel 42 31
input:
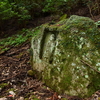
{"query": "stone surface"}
pixel 66 56
pixel 3 98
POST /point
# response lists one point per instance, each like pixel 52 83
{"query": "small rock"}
pixel 30 73
pixel 12 93
pixel 6 74
pixel 0 89
pixel 3 98
pixel 59 96
pixel 21 98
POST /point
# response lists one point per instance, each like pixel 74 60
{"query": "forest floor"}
pixel 15 83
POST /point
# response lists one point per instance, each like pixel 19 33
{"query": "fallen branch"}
pixel 7 79
pixel 90 66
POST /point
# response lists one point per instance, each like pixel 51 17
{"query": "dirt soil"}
pixel 14 65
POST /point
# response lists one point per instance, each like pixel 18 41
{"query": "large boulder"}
pixel 66 56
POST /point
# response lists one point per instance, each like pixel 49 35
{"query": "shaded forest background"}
pixel 18 14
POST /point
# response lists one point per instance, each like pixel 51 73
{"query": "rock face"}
pixel 66 56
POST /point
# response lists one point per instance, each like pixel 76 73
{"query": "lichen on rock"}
pixel 66 56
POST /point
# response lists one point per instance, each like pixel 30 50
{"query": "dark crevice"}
pixel 51 56
pixel 42 45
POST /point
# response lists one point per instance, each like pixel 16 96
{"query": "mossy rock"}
pixel 66 56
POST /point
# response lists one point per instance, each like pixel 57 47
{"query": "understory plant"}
pixel 93 6
pixel 9 10
pixel 56 6
pixel 16 40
